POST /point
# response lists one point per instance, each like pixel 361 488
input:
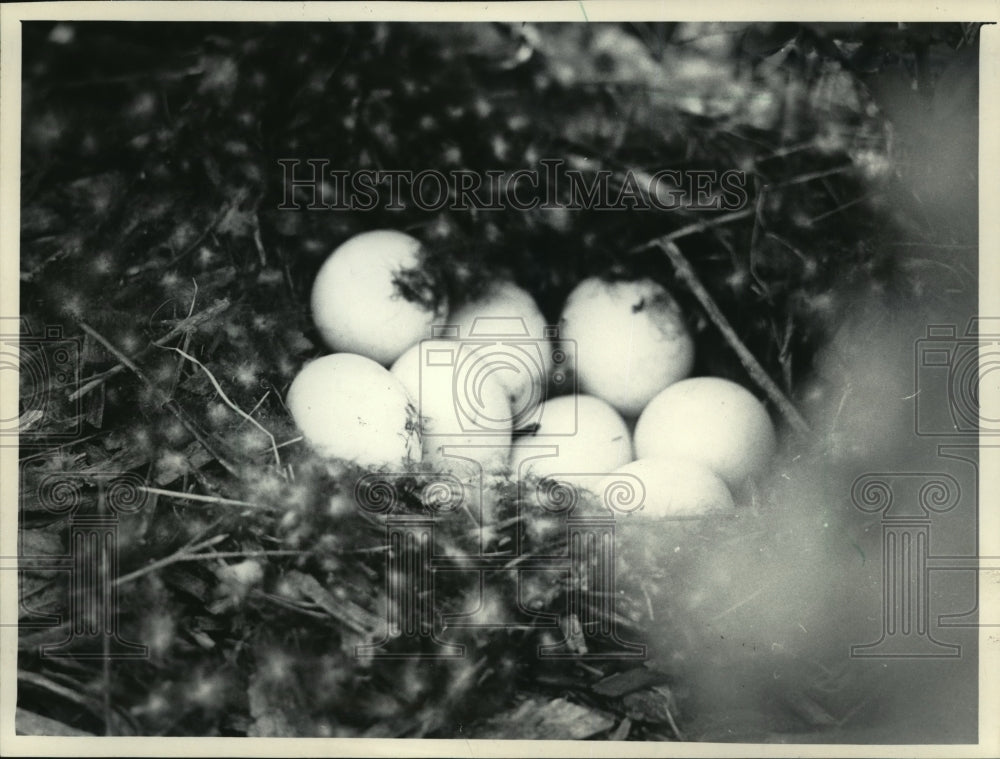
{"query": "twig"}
pixel 179 557
pixel 84 700
pixel 810 176
pixel 257 405
pixel 194 297
pixel 233 406
pixel 201 237
pixel 686 273
pixel 841 207
pixel 785 353
pixel 673 723
pixel 202 498
pixel 695 228
pixel 282 601
pixel 169 403
pixel 171 559
pixel 754 235
pixel 257 241
pixel 184 326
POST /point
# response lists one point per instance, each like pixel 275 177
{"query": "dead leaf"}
pixel 537 719
pixel 655 705
pixel 622 683
pixel 29 723
pixel 298 586
pixel 621 732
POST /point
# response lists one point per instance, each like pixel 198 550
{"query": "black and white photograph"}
pixel 422 377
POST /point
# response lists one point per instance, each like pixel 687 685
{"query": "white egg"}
pixel 631 341
pixel 590 438
pixel 674 488
pixel 711 420
pixel 358 305
pixel 520 355
pixel 349 407
pixel 464 421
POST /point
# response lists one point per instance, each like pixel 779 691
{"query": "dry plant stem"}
pixel 189 550
pixel 41 681
pixel 810 176
pixel 184 326
pixel 190 556
pixel 167 402
pixel 697 227
pixel 201 237
pixel 201 498
pixel 673 724
pixel 233 406
pixel 749 361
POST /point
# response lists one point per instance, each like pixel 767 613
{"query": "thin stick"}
pixel 87 701
pixel 695 228
pixel 167 402
pixel 686 273
pixel 840 208
pixel 803 178
pixel 201 498
pixel 194 297
pixel 184 326
pixel 200 238
pixel 187 556
pixel 233 406
pixel 257 239
pixel 167 560
pixel 673 723
pixel 256 406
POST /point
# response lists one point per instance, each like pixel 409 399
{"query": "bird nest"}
pixel 164 241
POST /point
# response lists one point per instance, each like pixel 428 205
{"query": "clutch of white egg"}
pixel 477 407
